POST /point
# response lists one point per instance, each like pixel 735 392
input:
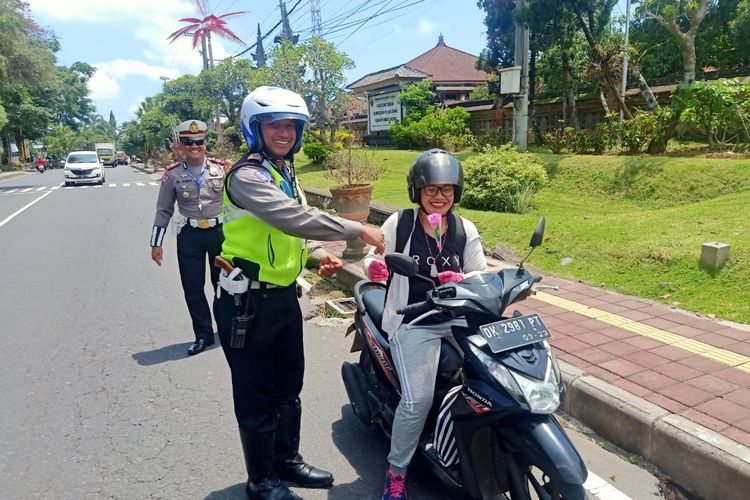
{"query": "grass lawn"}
pixel 632 224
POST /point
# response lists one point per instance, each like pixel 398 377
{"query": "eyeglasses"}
pixel 444 190
pixel 191 142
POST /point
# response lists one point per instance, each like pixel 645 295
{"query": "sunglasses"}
pixel 192 142
pixel 433 190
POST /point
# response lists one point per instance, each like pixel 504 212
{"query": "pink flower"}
pixel 434 220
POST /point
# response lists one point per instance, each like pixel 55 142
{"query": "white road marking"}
pixel 602 490
pixel 41 188
pixel 11 191
pixel 26 190
pixel 153 183
pixel 11 216
pixel 127 184
pixel 56 187
pixel 139 184
pixel 112 185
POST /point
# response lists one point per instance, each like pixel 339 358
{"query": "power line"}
pixel 268 33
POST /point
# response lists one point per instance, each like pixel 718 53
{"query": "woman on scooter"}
pixel 444 246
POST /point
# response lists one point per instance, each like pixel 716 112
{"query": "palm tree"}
pixel 201 29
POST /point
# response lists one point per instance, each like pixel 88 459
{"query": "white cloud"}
pixel 103 86
pixel 425 27
pixel 136 104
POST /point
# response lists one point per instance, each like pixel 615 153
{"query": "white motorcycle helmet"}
pixel 268 104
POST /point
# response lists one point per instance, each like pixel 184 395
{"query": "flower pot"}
pixel 353 203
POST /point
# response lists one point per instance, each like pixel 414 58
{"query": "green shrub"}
pixel 554 140
pixel 502 180
pixel 637 133
pixel 316 151
pixel 497 137
pixel 596 141
pixel 438 128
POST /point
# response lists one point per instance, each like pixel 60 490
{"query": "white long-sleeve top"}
pixel 398 292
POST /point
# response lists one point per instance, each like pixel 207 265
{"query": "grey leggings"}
pixel 416 353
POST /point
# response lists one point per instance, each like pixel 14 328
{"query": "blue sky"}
pixel 126 40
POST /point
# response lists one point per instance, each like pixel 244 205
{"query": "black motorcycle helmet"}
pixel 435 166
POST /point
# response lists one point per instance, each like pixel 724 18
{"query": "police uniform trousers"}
pixel 194 246
pixel 267 373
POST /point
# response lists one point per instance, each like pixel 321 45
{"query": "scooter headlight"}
pixel 542 396
pixel 499 372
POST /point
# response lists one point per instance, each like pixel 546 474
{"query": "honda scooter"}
pixel 491 432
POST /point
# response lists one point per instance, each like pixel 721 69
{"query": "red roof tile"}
pixel 447 64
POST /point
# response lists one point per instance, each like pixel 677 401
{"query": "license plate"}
pixel 514 332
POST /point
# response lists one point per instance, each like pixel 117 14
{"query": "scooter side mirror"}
pixel 538 236
pixel 402 264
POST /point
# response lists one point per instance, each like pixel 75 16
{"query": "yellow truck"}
pixel 106 152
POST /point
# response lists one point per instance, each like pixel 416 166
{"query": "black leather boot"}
pixel 262 482
pixel 289 463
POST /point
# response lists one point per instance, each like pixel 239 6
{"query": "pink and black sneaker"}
pixel 395 485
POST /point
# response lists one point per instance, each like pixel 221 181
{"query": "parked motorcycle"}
pixel 491 432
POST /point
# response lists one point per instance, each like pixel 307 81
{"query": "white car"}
pixel 83 167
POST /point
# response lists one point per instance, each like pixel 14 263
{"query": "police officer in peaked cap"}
pixel 195 183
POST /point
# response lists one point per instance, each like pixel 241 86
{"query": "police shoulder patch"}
pixel 165 177
pixel 263 175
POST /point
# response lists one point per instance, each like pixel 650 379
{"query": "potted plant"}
pixel 352 170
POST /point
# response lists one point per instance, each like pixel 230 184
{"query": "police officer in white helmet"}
pixel 267 225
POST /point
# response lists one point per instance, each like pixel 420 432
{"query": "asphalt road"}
pixel 98 398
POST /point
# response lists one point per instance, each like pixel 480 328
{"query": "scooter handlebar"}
pixel 417 309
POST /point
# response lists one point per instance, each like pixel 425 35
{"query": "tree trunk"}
pixel 688 61
pixel 536 130
pixel 204 52
pixel 603 100
pixel 570 115
pixel 597 57
pixel 648 96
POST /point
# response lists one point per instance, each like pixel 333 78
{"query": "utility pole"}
pixel 317 23
pixel 521 100
pixel 625 57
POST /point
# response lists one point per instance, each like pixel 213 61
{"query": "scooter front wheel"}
pixel 532 482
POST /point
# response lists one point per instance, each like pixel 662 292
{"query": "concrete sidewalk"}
pixel 665 384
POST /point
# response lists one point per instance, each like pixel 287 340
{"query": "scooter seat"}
pixel 374 301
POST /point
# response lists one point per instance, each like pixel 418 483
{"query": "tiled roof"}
pixel 403 71
pixel 446 64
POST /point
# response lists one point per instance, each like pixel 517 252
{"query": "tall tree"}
pixel 682 19
pixel 498 20
pixel 594 19
pixel 224 86
pixel 327 66
pixel 27 72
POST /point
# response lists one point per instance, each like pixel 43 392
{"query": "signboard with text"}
pixel 383 109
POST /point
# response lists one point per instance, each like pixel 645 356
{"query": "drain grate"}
pixel 341 307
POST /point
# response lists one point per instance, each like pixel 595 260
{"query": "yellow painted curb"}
pixel 717 354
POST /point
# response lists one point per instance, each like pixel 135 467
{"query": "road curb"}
pixel 697 458
pixel 9 175
pixel 694 456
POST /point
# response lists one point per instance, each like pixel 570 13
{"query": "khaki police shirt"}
pixel 193 202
